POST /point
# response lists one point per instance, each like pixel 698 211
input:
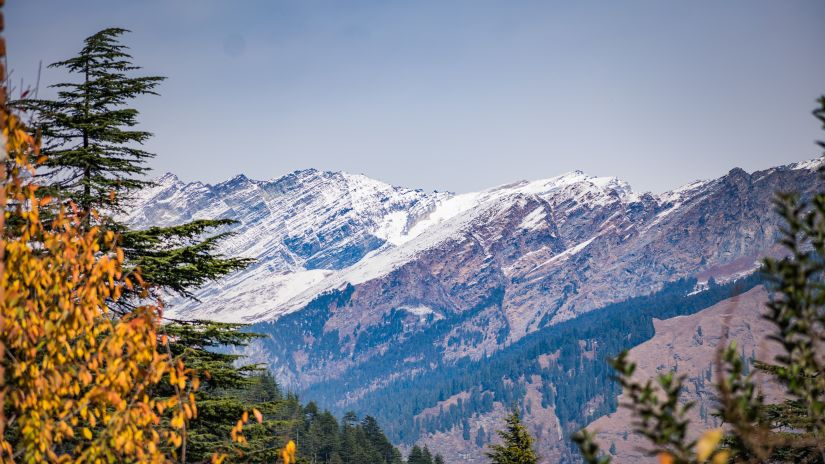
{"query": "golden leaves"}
pixel 288 453
pixel 707 443
pixel 81 381
pixel 706 448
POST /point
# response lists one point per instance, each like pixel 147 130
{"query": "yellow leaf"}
pixel 721 457
pixel 707 443
pixel 288 453
pixel 87 434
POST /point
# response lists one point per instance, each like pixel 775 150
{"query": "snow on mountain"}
pixel 300 228
pixel 313 231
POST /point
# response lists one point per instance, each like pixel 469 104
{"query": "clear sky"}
pixel 455 95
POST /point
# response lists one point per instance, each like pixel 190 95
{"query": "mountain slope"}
pixel 366 289
pixel 299 228
pixel 689 345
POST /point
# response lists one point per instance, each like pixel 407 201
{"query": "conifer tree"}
pixel 517 446
pixel 416 456
pixel 93 158
pixel 426 456
pixel 91 145
pixel 480 437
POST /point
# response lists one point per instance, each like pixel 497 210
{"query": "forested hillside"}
pixel 565 363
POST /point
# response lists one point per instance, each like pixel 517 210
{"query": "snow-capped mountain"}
pixel 314 231
pixel 300 228
pixel 363 289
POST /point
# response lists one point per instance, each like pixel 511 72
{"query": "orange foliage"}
pixel 288 453
pixel 78 380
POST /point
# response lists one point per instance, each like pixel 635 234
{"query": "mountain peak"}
pixel 812 164
pixel 167 179
pixel 574 179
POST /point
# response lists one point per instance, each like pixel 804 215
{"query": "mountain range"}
pixel 436 312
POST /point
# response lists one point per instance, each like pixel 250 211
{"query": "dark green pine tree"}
pixel 94 159
pixel 517 446
pixel 420 455
pixel 179 259
pixel 426 456
pixel 226 392
pixel 438 459
pixel 89 135
pixel 416 456
pixel 376 438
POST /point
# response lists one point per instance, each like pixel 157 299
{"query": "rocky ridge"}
pixel 362 286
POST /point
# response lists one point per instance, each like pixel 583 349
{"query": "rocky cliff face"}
pixel 362 286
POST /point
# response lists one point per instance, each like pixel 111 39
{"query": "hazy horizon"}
pixel 457 96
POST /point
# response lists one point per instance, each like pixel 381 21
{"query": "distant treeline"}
pixel 577 379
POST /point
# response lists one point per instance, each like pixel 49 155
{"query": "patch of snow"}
pixel 422 311
pixel 566 254
pixel 249 296
pixel 534 220
pixel 811 165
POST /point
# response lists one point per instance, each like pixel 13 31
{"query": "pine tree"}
pixel 376 438
pixel 93 159
pixel 481 437
pixel 517 446
pixel 88 132
pixel 179 259
pixel 416 456
pixel 426 456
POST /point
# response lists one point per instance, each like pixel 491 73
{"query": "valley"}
pixel 427 310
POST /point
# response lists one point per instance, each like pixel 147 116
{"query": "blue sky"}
pixel 456 95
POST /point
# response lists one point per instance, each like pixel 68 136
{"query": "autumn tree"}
pixel 77 378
